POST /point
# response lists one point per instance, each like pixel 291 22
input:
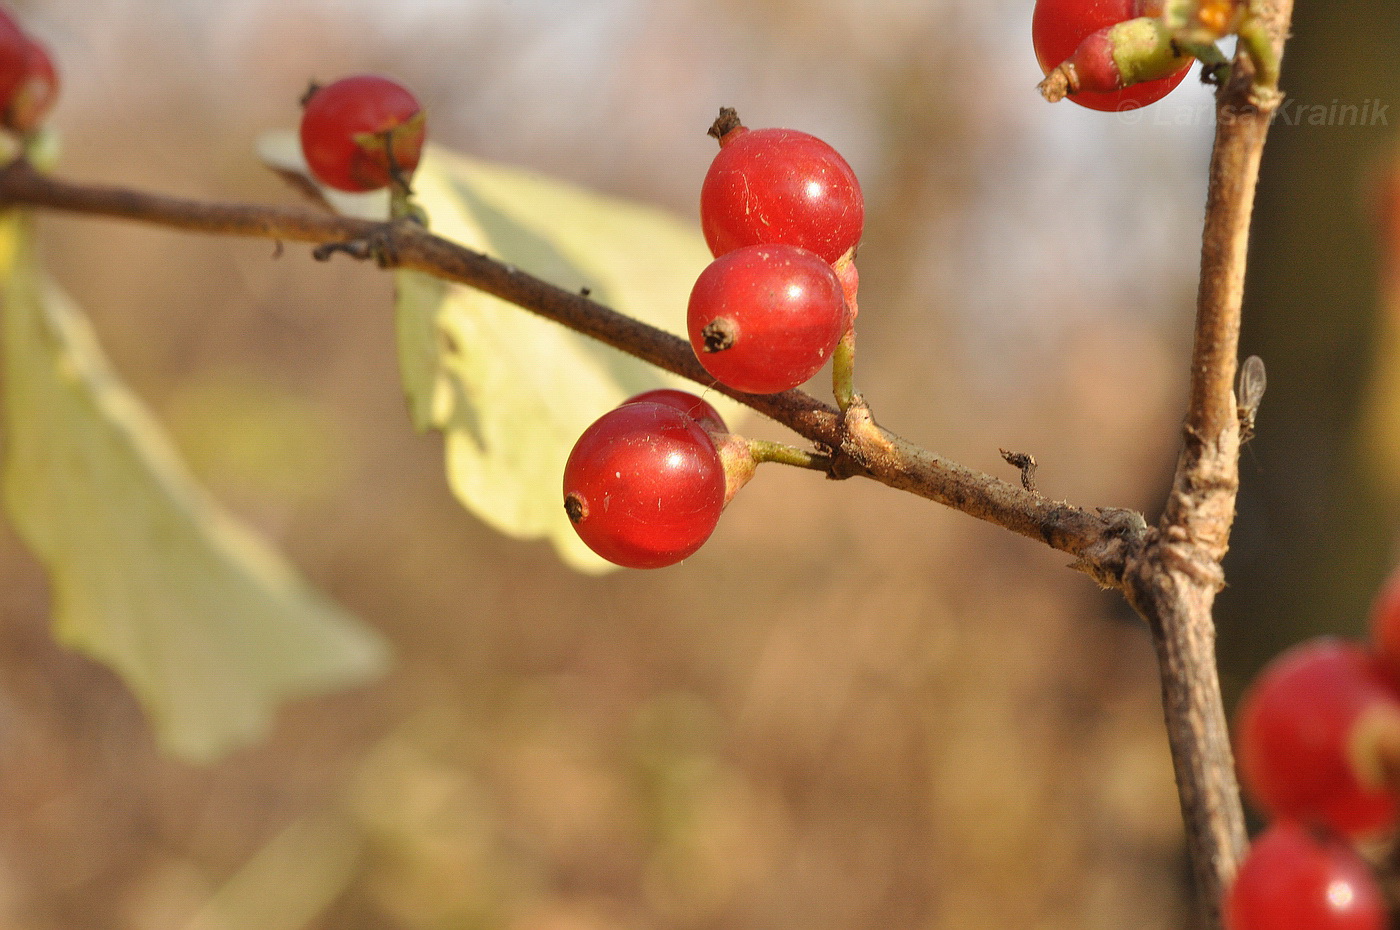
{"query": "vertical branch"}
pixel 1174 580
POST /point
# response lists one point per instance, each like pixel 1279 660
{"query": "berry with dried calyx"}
pixel 362 133
pixel 28 79
pixel 1107 55
pixel 765 318
pixel 779 186
pixel 1319 736
pixel 36 94
pixel 644 486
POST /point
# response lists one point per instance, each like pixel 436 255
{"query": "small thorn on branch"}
pixel 1024 461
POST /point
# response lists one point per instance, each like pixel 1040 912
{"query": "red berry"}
pixel 1316 731
pixel 14 55
pixel 1059 26
pixel 1292 880
pixel 780 185
pixel 690 405
pixel 764 318
pixel 37 91
pixel 1385 620
pixel 28 81
pixel 644 486
pixel 360 131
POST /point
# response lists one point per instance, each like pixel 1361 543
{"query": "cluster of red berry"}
pixel 28 81
pixel 1085 40
pixel 1318 738
pixel 362 133
pixel 782 213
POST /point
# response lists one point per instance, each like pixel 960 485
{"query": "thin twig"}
pixel 1173 580
pixel 1100 541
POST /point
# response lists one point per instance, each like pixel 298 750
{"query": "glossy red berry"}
pixel 765 318
pixel 1059 26
pixel 1315 733
pixel 644 486
pixel 37 91
pixel 14 55
pixel 359 132
pixel 780 185
pixel 28 80
pixel 1385 622
pixel 1294 880
pixel 694 407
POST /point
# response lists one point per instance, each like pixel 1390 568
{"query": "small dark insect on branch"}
pixel 1253 381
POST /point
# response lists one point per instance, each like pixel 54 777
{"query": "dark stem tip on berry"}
pixel 312 87
pixel 719 334
pixel 725 123
pixel 575 507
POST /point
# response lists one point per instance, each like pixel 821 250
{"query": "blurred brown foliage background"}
pixel 851 709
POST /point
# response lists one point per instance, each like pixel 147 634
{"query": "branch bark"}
pixel 1172 581
pixel 1100 541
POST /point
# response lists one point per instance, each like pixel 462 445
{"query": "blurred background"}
pixel 880 713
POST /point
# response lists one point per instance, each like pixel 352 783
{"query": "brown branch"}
pixel 1099 540
pixel 1173 580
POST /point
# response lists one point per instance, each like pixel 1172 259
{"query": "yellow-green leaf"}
pixel 207 625
pixel 288 883
pixel 511 391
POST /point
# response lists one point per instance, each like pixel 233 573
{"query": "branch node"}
pixel 379 244
pixel 1122 541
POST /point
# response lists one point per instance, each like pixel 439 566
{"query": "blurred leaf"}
pixel 253 440
pixel 289 882
pixel 208 626
pixel 511 391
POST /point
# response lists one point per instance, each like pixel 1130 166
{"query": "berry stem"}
pixel 402 206
pixel 843 360
pixel 1215 67
pixel 401 183
pixel 1255 39
pixel 843 370
pixel 763 450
